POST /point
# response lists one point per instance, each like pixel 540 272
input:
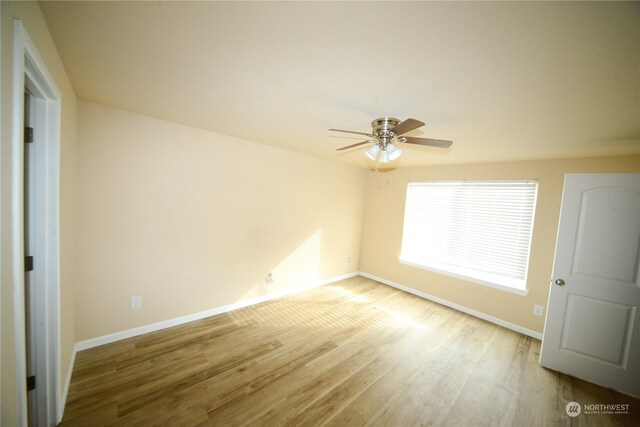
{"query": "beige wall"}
pixel 382 231
pixel 32 20
pixel 192 220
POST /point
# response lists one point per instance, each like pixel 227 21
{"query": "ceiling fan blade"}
pixel 441 143
pixel 406 126
pixel 350 131
pixel 354 145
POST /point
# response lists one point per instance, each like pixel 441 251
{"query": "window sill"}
pixel 517 291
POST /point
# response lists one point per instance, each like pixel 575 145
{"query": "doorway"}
pixel 35 242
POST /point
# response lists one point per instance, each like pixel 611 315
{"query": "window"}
pixel 476 230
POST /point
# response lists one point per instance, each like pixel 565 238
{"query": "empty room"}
pixel 319 213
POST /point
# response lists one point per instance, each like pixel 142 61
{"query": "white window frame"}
pixel 516 286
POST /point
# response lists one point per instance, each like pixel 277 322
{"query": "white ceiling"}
pixel 504 81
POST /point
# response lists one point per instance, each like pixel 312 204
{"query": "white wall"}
pixel 383 224
pixel 192 220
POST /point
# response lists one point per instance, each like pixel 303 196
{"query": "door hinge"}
pixel 28 263
pixel 31 383
pixel 28 134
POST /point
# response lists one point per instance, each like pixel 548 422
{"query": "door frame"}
pixel 29 71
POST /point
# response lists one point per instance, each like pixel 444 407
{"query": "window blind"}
pixel 475 229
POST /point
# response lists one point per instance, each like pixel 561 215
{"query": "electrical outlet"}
pixel 538 310
pixel 349 260
pixel 136 302
pixel 269 279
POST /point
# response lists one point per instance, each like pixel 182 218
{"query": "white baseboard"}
pixel 479 314
pixel 62 402
pixel 117 336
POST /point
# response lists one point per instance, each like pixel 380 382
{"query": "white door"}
pixel 591 330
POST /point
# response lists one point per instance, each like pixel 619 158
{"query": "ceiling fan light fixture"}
pixel 384 157
pixel 372 152
pixel 393 152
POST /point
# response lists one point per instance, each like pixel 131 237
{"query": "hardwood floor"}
pixel 353 353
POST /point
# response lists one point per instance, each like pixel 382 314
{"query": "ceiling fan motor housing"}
pixel 382 129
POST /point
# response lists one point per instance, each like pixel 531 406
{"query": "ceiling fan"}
pixel 386 134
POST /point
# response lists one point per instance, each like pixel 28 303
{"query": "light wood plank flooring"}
pixel 353 353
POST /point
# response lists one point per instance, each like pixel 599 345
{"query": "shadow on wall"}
pixel 299 270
